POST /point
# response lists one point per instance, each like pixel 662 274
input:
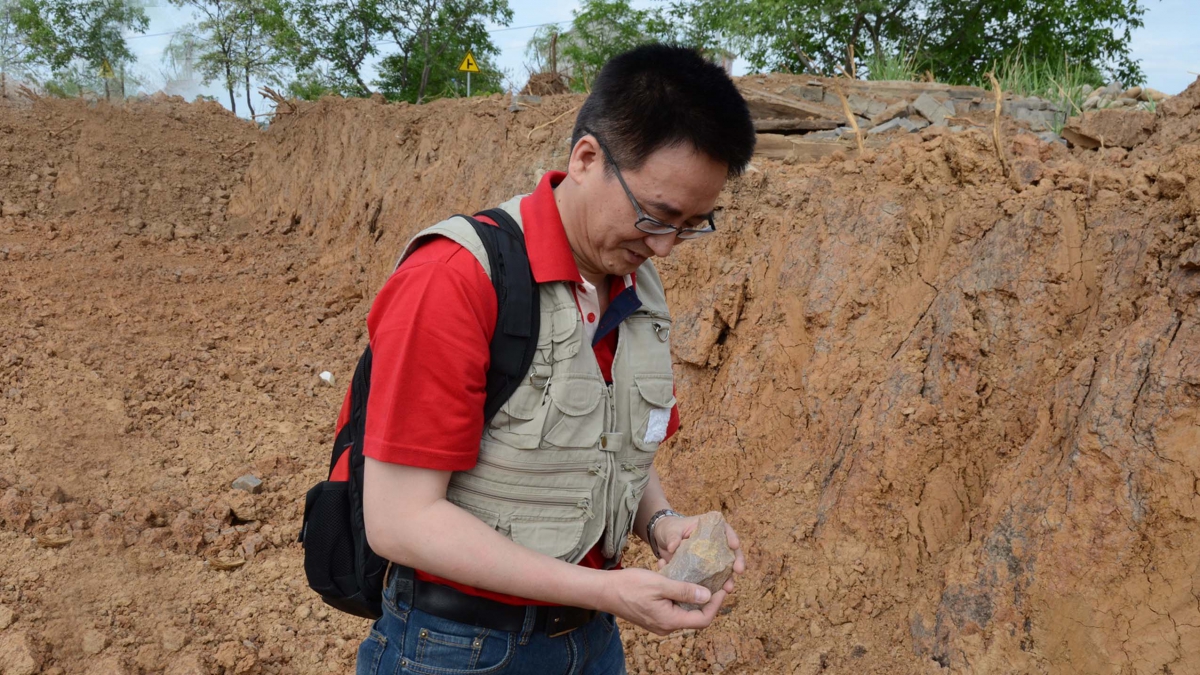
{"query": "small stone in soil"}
pixel 249 483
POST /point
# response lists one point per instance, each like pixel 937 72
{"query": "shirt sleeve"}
pixel 673 422
pixel 430 329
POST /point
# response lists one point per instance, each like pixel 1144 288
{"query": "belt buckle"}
pixel 558 616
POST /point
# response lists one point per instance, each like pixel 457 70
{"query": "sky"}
pixel 1168 45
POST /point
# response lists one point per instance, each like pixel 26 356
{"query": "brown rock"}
pixel 18 655
pixel 94 642
pixel 703 558
pixel 162 231
pixel 1171 184
pixel 1190 260
pixel 11 209
pixel 188 531
pixel 15 509
pixel 106 665
pixel 1110 128
pixel 187 664
pixel 889 113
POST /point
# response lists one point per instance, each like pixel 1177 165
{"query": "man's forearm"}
pixel 445 541
pixel 653 500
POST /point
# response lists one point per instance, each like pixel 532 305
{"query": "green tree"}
pixel 215 34
pixel 431 38
pixel 327 42
pixel 968 38
pixel 17 57
pixel 255 54
pixel 84 35
pixel 601 29
pixel 232 43
pixel 957 39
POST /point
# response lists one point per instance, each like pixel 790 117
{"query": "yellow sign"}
pixel 106 70
pixel 469 65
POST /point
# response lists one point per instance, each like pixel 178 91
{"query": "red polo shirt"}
pixel 430 329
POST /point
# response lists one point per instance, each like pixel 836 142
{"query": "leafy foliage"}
pixel 231 43
pixel 431 38
pixel 17 57
pixel 78 35
pixel 329 41
pixel 959 39
pixel 601 29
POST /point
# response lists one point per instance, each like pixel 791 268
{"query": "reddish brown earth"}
pixel 954 413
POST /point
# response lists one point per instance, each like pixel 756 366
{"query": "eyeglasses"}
pixel 647 223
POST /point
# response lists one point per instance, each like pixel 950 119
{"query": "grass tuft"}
pixel 1064 83
pixel 892 65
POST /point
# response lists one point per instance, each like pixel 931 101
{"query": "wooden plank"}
pixel 884 90
pixel 894 89
pixel 794 125
pixel 764 105
pixel 778 146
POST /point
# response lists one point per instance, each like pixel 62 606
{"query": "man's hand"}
pixel 648 600
pixel 670 533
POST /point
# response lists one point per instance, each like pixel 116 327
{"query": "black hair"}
pixel 658 96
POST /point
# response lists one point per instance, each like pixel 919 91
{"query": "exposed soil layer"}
pixel 950 399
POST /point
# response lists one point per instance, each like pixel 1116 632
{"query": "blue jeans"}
pixel 407 640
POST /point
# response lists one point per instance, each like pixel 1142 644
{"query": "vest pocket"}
pixel 519 421
pixel 650 405
pixel 550 520
pixel 626 512
pixel 575 420
pixel 555 538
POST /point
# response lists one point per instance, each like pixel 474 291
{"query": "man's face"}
pixel 677 185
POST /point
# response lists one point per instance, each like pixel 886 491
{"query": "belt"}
pixel 449 603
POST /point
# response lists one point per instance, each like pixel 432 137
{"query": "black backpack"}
pixel 338 561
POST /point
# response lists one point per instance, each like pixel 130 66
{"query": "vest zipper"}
pixel 594 469
pixel 584 503
pixel 642 469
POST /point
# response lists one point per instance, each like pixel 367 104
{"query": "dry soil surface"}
pixel 949 397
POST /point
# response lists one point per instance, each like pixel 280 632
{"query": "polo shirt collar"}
pixel 550 256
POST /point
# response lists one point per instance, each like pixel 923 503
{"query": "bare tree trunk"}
pixel 425 69
pixel 248 103
pixel 365 88
pixel 554 53
pixel 3 84
pixel 229 87
pixel 424 81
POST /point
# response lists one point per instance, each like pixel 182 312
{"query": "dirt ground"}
pixel 950 399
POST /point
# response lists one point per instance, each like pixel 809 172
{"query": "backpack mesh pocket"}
pixel 328 540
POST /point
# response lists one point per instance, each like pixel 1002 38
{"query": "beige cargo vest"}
pixel 564 463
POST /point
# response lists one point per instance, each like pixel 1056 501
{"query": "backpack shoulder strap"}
pixel 502 253
pixel 517 320
pixel 462 230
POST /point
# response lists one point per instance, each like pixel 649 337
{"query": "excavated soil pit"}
pixel 952 404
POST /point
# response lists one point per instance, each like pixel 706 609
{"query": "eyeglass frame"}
pixel 684 233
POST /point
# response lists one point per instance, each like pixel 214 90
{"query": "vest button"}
pixel 604 441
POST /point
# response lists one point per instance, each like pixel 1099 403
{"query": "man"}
pixel 516 537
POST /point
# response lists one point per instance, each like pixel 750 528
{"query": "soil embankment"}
pixel 950 399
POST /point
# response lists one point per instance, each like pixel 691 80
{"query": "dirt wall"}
pixel 154 162
pixel 950 406
pixel 952 403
